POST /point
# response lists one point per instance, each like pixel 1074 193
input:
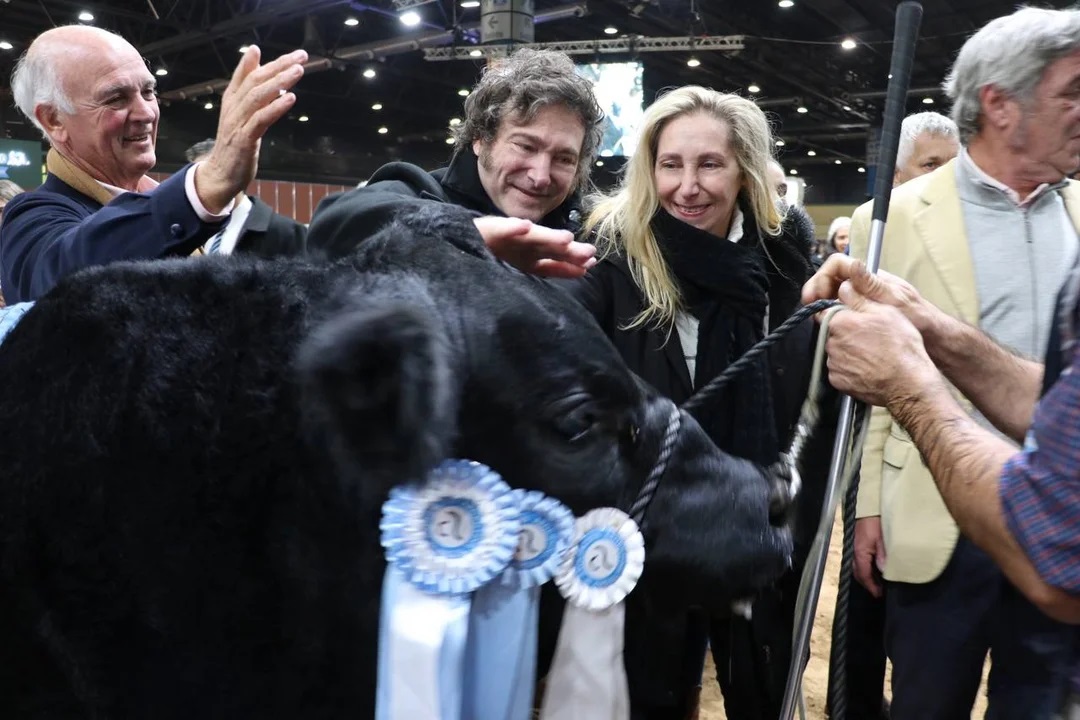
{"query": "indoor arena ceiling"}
pixel 791 58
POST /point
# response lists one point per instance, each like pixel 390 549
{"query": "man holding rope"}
pixel 989 239
pixel 894 349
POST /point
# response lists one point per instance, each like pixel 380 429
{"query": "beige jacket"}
pixel 925 243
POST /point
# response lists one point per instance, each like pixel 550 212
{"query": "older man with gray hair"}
pixel 928 140
pixel 93 98
pixel 989 238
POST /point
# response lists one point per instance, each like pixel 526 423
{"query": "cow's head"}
pixel 442 352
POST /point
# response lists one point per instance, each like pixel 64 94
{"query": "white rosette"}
pixel 588 678
pixel 443 540
pixel 454 533
pixel 501 657
pixel 545 535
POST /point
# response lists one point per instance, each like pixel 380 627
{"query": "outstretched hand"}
pixel 534 248
pixel 256 98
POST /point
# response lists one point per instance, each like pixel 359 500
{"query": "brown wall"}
pixel 297 200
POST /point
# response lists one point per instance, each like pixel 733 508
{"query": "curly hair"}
pixel 520 86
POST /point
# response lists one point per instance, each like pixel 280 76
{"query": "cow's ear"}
pixel 379 393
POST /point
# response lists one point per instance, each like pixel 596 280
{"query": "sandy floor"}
pixel 815 681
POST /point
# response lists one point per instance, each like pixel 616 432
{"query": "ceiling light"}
pixel 862 170
pixel 383 130
pixel 303 118
pixel 801 109
pixel 377 106
pixel 244 48
pixel 454 122
pixel 811 153
pixel 209 106
pixel 610 30
pixel 847 108
pixel 85 16
pixel 599 163
pixel 369 73
pixel 476 52
pixel 5 45
pixel 463 92
pixel 779 143
pixel 753 88
pixel 351 22
pixel 837 162
pixel 928 101
pixel 793 171
pixel 160 72
pixel 470 3
pixel 786 3
pixel 848 44
pixel 693 62
pixel 410 18
pixel 449 141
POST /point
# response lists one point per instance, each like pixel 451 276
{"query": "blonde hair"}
pixel 621 220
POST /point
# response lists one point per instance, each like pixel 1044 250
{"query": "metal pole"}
pixel 908 17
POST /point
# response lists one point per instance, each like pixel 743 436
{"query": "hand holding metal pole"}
pixel 908 18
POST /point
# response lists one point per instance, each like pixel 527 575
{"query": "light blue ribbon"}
pixel 443 540
pixel 421 652
pixel 500 663
pixel 10 317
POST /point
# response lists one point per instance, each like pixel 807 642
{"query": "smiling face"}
pixel 696 174
pixel 528 169
pixel 113 130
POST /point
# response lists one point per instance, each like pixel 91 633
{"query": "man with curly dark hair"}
pixel 521 155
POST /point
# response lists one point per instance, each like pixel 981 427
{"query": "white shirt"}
pixel 230 234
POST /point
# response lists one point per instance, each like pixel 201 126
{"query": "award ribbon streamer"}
pixel 500 662
pixel 443 540
pixel 588 676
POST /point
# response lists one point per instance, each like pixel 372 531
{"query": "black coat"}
pixel 664 644
pixel 403 187
pixel 267 234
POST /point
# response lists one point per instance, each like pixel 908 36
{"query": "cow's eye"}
pixel 575 420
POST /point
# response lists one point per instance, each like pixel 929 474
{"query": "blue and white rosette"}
pixel 443 540
pixel 500 659
pixel 588 677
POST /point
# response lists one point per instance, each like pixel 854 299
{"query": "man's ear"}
pixel 377 384
pixel 51 121
pixel 999 109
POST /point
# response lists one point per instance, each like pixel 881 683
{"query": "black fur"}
pixel 196 452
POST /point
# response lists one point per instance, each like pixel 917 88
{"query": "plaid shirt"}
pixel 1040 486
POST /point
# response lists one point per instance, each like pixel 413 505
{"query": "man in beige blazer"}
pixel 988 238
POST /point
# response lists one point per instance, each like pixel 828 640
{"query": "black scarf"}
pixel 725 285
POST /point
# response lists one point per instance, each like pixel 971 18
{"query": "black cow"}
pixel 195 453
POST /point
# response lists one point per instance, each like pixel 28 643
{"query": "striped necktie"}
pixel 215 243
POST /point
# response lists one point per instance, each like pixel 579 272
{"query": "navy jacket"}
pixel 55 230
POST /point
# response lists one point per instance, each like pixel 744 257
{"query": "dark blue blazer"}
pixel 55 230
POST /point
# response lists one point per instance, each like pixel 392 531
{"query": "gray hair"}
pixel 199 150
pixel 35 81
pixel 1011 53
pixel 523 84
pixel 841 223
pixel 925 122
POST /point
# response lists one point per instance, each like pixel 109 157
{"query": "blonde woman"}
pixel 699 261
